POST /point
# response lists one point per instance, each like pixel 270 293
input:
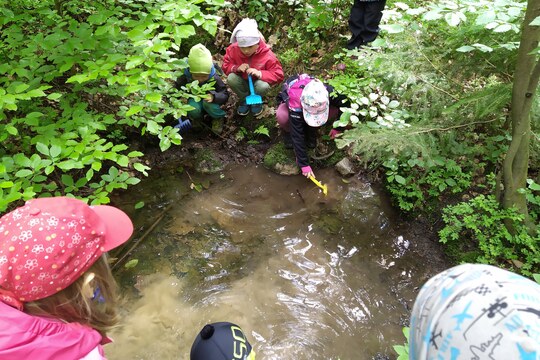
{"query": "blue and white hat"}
pixel 476 311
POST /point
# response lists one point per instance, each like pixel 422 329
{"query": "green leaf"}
pixel 134 110
pixel 54 96
pixel 55 151
pixel 134 61
pixel 183 32
pixel 393 28
pixel 153 126
pixel 432 15
pixel 6 184
pixel 23 173
pixel 141 168
pixel 12 130
pixel 98 18
pixel 153 97
pixel 123 161
pixel 35 93
pixel 482 47
pixel 131 263
pixel 503 28
pixel 80 78
pixel 133 181
pixel 536 278
pixel 466 48
pixel 139 205
pixel 96 165
pixel 65 67
pixel 400 179
pixel 452 19
pixel 67 180
pixel 70 164
pixel 21 87
pixel 42 148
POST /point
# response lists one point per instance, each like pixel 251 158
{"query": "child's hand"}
pixel 254 72
pixel 307 172
pixel 243 67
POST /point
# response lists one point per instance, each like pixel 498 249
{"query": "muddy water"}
pixel 306 276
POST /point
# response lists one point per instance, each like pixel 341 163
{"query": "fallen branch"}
pixel 452 127
pixel 146 233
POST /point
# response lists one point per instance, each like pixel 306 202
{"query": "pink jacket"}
pixel 264 60
pixel 24 336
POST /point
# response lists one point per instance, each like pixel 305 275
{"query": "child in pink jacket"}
pixel 57 294
pixel 248 54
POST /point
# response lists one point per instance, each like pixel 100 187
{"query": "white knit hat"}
pixel 246 33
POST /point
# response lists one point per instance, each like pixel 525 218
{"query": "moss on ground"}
pixel 277 154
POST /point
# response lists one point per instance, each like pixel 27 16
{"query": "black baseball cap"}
pixel 221 341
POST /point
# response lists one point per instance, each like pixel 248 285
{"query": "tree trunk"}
pixel 526 76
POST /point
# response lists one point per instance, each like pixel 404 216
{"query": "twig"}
pixel 212 130
pixel 148 231
pixel 452 127
pixel 300 196
pixel 431 63
pixel 323 157
pixel 438 88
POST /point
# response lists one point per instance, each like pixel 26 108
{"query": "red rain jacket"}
pixel 263 59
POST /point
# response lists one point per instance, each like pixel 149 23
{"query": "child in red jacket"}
pixel 249 54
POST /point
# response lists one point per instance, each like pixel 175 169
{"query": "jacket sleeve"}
pixel 221 94
pixel 296 122
pixel 229 65
pixel 273 74
pixel 95 354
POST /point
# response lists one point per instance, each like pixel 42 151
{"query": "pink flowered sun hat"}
pixel 48 243
pixel 315 103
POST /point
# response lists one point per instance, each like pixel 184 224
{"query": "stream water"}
pixel 306 276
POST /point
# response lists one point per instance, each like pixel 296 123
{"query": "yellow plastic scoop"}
pixel 324 188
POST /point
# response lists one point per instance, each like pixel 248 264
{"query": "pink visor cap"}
pixel 315 103
pixel 49 243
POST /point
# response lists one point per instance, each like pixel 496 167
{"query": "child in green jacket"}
pixel 202 69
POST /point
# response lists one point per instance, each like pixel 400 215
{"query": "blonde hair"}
pixel 75 303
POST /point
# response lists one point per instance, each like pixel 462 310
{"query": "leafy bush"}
pixel 71 73
pixel 415 183
pixel 478 225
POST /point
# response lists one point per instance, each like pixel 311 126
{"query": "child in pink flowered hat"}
pixel 57 294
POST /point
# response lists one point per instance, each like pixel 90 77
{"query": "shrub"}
pixel 479 225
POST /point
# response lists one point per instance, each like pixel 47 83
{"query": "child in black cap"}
pixel 221 341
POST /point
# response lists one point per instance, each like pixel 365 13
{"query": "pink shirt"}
pixel 24 336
